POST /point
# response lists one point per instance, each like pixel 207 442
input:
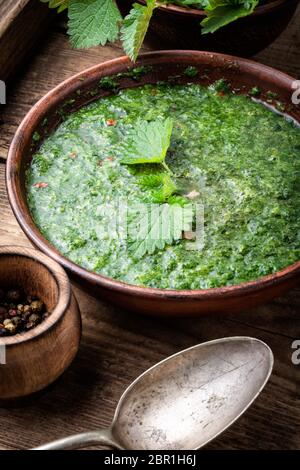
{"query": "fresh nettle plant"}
pixel 96 22
pixel 169 215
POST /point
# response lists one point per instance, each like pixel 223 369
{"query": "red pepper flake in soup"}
pixel 111 122
pixel 41 185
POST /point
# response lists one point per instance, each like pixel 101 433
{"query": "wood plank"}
pixel 10 231
pixel 22 22
pixel 118 346
pixel 284 53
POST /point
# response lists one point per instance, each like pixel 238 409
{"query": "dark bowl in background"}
pixel 179 28
pixel 84 88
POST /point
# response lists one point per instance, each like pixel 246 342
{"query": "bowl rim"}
pixel 63 286
pixel 194 12
pixel 52 98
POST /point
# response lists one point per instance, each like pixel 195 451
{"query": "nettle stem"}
pixel 167 168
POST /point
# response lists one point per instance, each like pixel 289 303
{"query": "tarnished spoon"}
pixel 186 400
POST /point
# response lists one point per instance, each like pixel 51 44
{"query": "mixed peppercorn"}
pixel 19 312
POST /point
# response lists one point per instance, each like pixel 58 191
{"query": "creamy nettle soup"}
pixel 233 156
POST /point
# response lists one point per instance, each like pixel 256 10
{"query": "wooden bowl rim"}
pixel 185 11
pixel 63 287
pixel 58 94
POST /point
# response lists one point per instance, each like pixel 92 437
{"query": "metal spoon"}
pixel 186 400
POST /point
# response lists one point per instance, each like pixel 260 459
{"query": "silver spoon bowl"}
pixel 186 400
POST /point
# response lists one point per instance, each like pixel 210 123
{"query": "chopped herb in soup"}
pixel 230 155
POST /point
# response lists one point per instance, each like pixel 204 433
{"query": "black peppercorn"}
pixel 13 295
pixel 3 311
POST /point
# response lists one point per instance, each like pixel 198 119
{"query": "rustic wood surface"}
pixel 118 346
pixel 22 23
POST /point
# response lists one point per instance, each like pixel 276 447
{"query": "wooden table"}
pixel 117 346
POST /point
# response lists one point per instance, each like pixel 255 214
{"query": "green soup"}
pixel 242 159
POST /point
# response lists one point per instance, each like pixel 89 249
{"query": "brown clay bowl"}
pixel 243 75
pixel 36 358
pixel 178 27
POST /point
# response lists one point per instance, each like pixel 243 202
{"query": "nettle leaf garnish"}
pixel 154 226
pixel 161 185
pixel 61 5
pixel 148 143
pixel 93 22
pixel 163 221
pixel 135 26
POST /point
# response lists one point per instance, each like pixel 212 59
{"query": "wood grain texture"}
pixel 22 22
pixel 284 53
pixel 116 347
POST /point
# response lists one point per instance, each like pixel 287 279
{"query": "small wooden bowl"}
pixel 84 88
pixel 178 27
pixel 36 358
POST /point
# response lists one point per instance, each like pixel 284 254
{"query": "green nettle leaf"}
pixel 223 12
pixel 135 26
pixel 61 5
pixel 93 22
pixel 148 143
pixel 154 226
pixel 200 4
pixel 161 184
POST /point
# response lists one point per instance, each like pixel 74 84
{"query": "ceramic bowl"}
pixel 84 88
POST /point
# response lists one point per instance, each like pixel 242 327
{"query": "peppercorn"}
pixel 16 321
pixel 34 318
pixel 10 327
pixel 20 312
pixel 37 306
pixel 3 311
pixel 12 312
pixel 27 309
pixel 13 295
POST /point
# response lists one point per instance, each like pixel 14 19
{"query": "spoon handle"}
pixel 102 436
